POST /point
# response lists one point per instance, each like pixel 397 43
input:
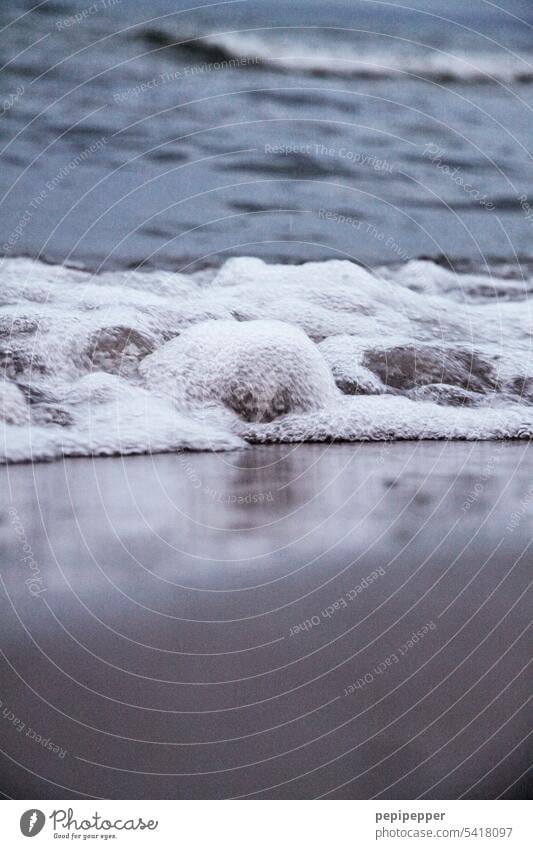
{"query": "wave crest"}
pixel 322 54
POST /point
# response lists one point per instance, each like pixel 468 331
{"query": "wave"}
pixel 324 56
pixel 131 362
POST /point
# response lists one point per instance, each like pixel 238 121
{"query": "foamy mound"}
pixel 393 418
pixel 102 415
pixel 125 363
pixel 13 407
pixel 345 58
pixel 258 369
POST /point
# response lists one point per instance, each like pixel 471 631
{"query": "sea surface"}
pixel 372 104
pixel 264 222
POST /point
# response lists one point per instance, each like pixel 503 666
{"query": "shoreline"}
pixel 251 446
pixel 167 614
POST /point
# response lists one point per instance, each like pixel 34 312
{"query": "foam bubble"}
pixel 388 417
pixel 141 362
pixel 258 369
pixel 13 407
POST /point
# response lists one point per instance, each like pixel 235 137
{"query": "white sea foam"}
pixel 124 362
pixel 259 369
pixel 346 57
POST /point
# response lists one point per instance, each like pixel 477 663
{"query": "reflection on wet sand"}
pixel 277 622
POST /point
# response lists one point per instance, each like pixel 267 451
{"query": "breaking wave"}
pixel 318 55
pixel 139 362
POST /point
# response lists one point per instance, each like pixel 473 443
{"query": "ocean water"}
pixel 266 129
pixel 264 222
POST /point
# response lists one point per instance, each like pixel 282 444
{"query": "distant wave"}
pixel 329 58
pixel 131 362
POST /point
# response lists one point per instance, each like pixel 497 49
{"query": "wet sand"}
pixel 346 621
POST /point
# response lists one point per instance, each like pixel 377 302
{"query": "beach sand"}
pixel 281 622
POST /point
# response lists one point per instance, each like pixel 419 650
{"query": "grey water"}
pixel 161 135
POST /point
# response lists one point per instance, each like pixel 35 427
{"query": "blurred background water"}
pixel 153 133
